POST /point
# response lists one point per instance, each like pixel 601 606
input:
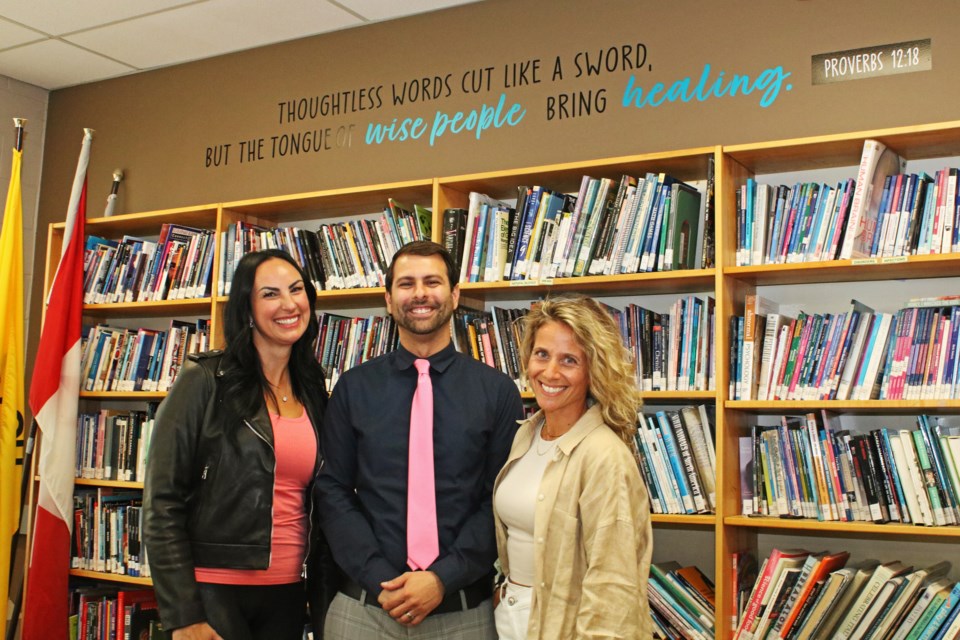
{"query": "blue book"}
pixel 676 463
pixel 748 221
pixel 526 228
pixel 943 612
pixel 949 620
pixel 882 213
pixel 931 438
pixel 475 259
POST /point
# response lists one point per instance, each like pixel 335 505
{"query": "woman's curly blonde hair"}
pixel 613 382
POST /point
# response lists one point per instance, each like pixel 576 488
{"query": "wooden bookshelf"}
pixel 727 531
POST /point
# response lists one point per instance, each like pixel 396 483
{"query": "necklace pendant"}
pixel 284 398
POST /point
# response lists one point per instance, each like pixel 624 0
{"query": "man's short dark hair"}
pixel 423 248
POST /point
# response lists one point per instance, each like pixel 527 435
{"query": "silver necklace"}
pixel 536 444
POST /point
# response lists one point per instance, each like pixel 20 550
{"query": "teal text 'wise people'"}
pixel 477 121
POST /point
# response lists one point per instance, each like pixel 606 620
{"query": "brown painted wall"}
pixel 158 126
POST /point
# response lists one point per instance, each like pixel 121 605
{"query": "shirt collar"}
pixel 439 361
pixel 580 430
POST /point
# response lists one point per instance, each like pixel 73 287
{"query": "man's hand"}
pixel 198 631
pixel 411 596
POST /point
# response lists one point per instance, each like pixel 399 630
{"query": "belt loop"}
pixel 463 600
pixel 363 597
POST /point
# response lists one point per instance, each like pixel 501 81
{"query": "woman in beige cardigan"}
pixel 572 513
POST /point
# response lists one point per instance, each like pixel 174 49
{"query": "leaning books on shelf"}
pixel 491 336
pixel 177 266
pixel 675 451
pixel 113 444
pixel 345 342
pixel 855 354
pixel 682 601
pixel 106 532
pixel 822 598
pixel 807 466
pixel 611 226
pixel 338 255
pixel 122 359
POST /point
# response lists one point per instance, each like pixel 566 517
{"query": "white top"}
pixel 515 503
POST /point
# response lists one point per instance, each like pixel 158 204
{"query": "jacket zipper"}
pixel 273 487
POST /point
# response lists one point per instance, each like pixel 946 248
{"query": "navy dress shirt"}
pixel 362 488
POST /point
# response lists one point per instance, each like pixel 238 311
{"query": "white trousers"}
pixel 512 615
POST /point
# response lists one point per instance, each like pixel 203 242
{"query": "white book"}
pixel 756 310
pixel 875 357
pixel 761 208
pixel 859 607
pixel 854 357
pixel 906 475
pixel 875 165
pixel 783 345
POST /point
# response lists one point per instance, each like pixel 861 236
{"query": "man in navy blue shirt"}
pixel 363 486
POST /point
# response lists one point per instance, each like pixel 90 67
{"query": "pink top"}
pixel 296 450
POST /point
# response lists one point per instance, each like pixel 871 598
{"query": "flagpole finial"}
pixel 88 132
pixel 19 124
pixel 117 175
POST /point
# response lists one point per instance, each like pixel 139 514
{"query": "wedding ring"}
pixel 408 615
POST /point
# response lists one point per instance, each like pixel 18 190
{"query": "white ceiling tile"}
pixel 12 35
pixel 386 9
pixel 57 17
pixel 52 64
pixel 211 28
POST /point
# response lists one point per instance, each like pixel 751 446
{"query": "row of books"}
pixel 177 266
pixel 807 467
pixel 677 459
pixel 780 224
pixel 673 351
pixel 338 255
pixel 916 215
pixel 799 595
pixel 345 342
pixel 113 444
pixel 629 225
pixel 857 354
pixel 109 613
pixel 682 602
pixel 106 532
pixel 121 359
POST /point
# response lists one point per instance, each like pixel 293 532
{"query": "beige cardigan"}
pixel 592 529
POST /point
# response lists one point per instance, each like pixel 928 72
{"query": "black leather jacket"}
pixel 208 496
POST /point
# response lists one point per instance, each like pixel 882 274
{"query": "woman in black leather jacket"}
pixel 229 523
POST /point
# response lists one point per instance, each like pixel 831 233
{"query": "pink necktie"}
pixel 422 545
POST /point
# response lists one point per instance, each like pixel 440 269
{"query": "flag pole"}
pixel 19 124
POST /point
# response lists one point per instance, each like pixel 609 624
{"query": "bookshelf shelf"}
pixel 115 484
pixel 160 308
pixel 912 267
pixel 679 282
pixel 801 524
pixel 110 577
pixel 898 407
pixel 124 395
pixel 697 520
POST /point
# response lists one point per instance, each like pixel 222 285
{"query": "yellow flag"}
pixel 11 375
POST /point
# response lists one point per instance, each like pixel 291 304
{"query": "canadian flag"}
pixel 54 396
